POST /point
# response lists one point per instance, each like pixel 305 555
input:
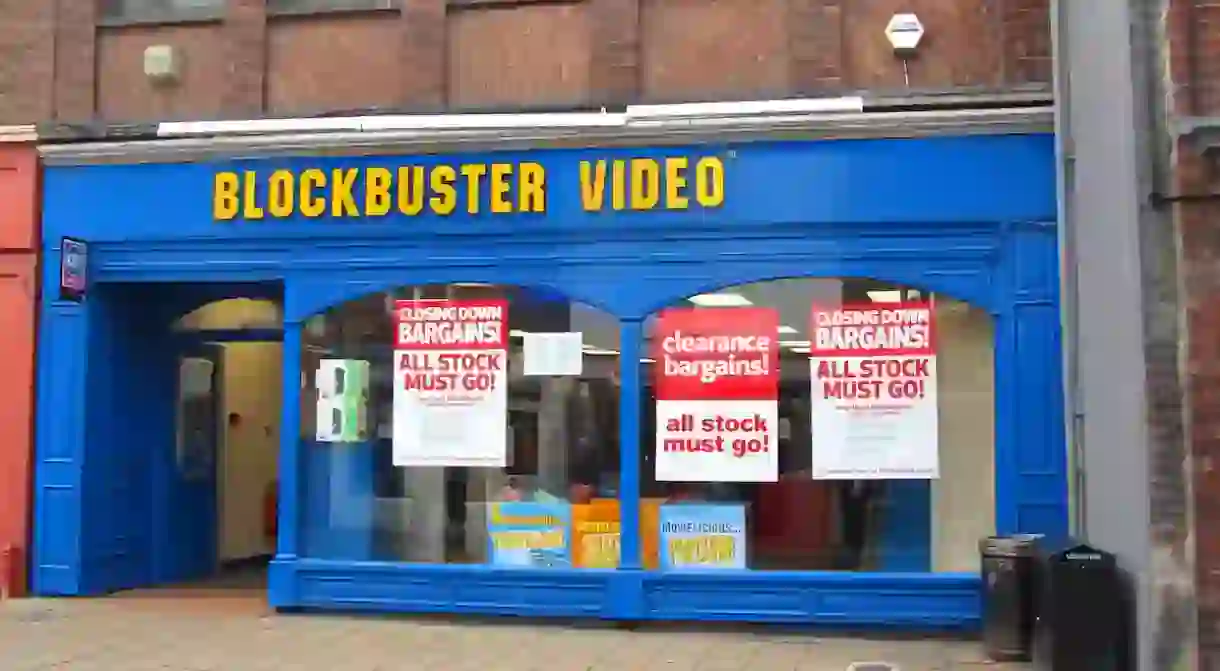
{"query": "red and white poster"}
pixel 873 399
pixel 451 383
pixel 717 384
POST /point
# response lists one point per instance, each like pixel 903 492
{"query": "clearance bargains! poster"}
pixel 717 384
pixel 872 370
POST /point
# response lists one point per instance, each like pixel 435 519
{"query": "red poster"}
pixel 717 387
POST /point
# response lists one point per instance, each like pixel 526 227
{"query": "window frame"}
pixel 308 7
pixel 145 14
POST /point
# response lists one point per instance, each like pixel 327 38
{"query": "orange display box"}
pixel 597 533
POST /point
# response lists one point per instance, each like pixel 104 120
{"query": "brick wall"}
pixel 1185 382
pixel 58 62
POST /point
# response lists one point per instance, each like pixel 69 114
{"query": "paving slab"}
pixel 175 632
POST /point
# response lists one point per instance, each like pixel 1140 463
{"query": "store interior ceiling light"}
pixel 727 300
pixel 787 330
pixel 800 350
pixel 885 296
pixel 795 343
pixel 648 360
pixel 517 333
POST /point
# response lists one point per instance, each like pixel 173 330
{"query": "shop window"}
pixel 771 443
pixel 310 6
pixel 488 438
pixel 161 10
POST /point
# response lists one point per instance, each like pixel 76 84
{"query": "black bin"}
pixel 1084 612
pixel 1010 587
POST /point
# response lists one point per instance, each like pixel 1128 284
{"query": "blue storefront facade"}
pixel 328 236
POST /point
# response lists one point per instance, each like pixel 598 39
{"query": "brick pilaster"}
pixel 815 45
pixel 1027 41
pixel 614 75
pixel 75 52
pixel 425 45
pixel 245 41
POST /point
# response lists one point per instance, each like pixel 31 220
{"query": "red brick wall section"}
pixel 27 60
pixel 75 64
pixel 815 46
pixel 614 75
pixel 18 294
pixel 1185 491
pixel 424 39
pixel 245 42
pixel 57 62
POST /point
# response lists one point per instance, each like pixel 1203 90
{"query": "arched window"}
pixel 819 507
pixel 376 495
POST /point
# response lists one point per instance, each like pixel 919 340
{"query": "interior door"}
pixel 192 514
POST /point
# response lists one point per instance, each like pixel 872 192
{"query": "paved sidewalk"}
pixel 158 631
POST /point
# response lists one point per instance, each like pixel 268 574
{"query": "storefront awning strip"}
pixel 608 130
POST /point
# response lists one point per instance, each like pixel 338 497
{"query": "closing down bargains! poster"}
pixel 451 383
pixel 873 398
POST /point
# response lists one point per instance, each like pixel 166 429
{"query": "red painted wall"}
pixel 19 237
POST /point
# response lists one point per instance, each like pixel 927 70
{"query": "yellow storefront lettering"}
pixel 639 185
pixel 225 186
pixel 312 205
pixel 411 190
pixel 592 185
pixel 709 182
pixel 618 185
pixel 249 196
pixel 531 185
pixel 342 198
pixel 675 183
pixel 280 194
pixel 645 184
pixel 377 192
pixel 444 198
pixel 498 191
pixel 474 173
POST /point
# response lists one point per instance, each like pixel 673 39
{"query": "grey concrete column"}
pixel 1106 156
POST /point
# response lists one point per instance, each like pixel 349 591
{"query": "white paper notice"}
pixel 553 353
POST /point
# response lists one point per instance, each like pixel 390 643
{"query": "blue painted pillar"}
pixel 629 445
pixel 282 583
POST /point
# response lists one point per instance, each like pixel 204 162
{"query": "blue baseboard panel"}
pixel 915 601
pixel 908 601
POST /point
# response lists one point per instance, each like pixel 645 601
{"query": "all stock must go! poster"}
pixel 450 383
pixel 873 405
pixel 717 386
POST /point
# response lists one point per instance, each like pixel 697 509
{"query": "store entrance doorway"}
pixel 226 459
pixel 186 439
pixel 227 435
